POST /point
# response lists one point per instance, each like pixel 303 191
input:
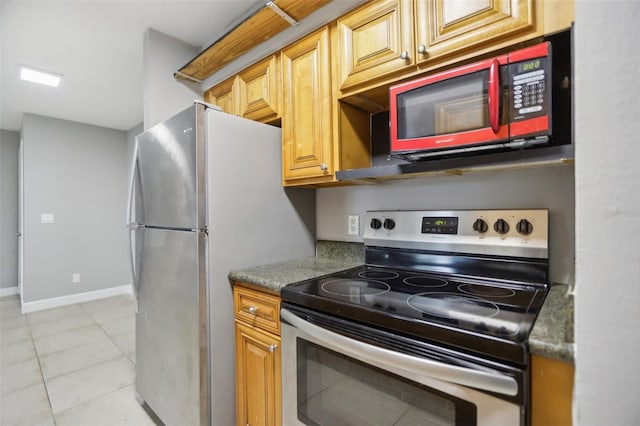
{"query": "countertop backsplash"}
pixel 340 250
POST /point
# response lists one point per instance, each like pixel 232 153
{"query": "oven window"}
pixel 335 390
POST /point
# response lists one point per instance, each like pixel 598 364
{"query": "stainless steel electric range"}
pixel 433 329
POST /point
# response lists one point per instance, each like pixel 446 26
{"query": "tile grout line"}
pixel 44 382
pixel 93 399
pixel 121 352
pixel 96 324
pixel 109 334
pixel 53 414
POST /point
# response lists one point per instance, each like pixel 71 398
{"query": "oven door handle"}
pixel 385 358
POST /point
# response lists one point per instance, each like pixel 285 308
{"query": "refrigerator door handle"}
pixel 132 225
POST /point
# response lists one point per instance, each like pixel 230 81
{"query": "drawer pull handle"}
pixel 272 348
pixel 252 310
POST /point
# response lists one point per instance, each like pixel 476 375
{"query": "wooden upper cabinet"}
pixel 447 27
pixel 258 91
pixel 306 111
pixel 224 95
pixel 375 41
pixel 385 40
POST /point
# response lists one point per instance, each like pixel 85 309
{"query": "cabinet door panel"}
pixel 306 125
pixel 372 40
pixel 224 95
pixel 258 91
pixel 551 392
pixel 258 377
pixel 447 27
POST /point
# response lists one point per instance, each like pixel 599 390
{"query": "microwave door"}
pixel 460 109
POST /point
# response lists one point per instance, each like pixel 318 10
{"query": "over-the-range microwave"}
pixel 515 100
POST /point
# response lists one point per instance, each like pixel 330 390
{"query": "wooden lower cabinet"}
pixel 258 359
pixel 257 377
pixel 551 392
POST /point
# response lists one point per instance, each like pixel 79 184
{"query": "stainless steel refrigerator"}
pixel 206 197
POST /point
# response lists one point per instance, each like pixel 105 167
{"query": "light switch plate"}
pixel 46 218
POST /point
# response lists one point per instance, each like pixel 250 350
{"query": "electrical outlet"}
pixel 354 224
pixel 75 278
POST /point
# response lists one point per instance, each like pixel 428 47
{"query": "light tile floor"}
pixel 69 366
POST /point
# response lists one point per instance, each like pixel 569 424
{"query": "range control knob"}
pixel 389 224
pixel 375 223
pixel 524 227
pixel 480 226
pixel 501 226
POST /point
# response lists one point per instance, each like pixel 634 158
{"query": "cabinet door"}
pixel 224 96
pixel 447 27
pixel 257 87
pixel 375 41
pixel 306 109
pixel 258 383
pixel 551 392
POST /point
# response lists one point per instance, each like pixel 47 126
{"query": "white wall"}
pixel 77 172
pixel 551 188
pixel 131 138
pixel 164 95
pixel 9 144
pixel 607 299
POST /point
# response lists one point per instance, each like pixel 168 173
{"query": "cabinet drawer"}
pixel 258 309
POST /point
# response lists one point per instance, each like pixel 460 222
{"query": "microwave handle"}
pixel 494 95
pixel 381 357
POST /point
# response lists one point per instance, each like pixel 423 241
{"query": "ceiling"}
pixel 97 46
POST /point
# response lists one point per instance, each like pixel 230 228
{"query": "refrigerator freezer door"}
pixel 171 359
pixel 169 182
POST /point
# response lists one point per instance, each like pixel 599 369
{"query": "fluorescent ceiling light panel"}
pixel 41 77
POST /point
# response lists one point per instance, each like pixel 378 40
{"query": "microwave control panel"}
pixel 530 83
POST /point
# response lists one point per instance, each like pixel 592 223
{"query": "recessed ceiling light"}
pixel 38 76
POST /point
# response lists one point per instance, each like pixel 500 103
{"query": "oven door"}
pixel 330 379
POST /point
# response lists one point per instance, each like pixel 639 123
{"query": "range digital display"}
pixel 439 225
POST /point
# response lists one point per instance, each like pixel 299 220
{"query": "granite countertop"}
pixel 552 334
pixel 277 275
pixel 331 256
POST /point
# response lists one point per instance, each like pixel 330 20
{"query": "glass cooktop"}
pixel 423 304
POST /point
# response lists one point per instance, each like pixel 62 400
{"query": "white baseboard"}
pixel 8 291
pixel 56 302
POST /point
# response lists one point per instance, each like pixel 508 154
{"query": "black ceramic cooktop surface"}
pixel 424 304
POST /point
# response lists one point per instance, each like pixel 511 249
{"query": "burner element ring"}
pixel 378 274
pixel 425 281
pixel 453 306
pixel 351 287
pixel 486 290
